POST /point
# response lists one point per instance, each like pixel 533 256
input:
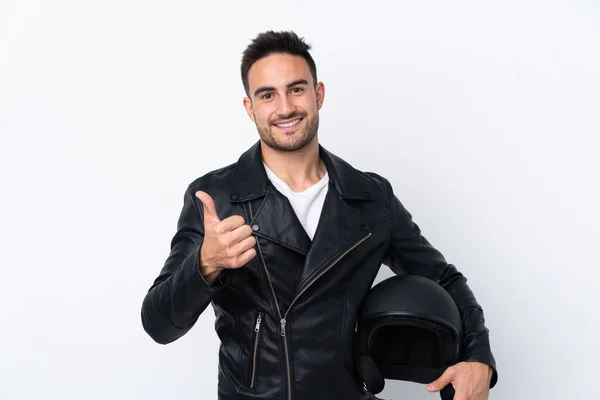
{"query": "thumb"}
pixel 440 382
pixel 210 212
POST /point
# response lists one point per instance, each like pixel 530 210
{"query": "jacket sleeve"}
pixel 180 293
pixel 410 252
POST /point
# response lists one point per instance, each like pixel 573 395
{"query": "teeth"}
pixel 287 125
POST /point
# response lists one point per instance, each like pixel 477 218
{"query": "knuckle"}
pixel 237 262
pixel 232 251
pixel 228 241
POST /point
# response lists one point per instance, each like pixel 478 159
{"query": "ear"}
pixel 320 91
pixel 248 106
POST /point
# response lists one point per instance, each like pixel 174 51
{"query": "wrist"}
pixel 206 268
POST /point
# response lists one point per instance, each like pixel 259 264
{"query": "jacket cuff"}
pixel 192 265
pixel 477 342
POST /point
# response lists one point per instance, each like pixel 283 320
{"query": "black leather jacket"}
pixel 286 320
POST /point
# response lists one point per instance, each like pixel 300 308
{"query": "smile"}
pixel 289 124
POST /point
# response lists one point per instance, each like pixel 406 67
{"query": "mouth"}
pixel 288 125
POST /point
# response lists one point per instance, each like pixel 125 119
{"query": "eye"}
pixel 297 89
pixel 264 96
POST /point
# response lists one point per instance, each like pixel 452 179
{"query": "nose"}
pixel 286 107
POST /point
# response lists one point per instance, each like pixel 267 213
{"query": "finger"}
pixel 441 382
pixel 210 212
pixel 244 258
pixel 230 224
pixel 240 233
pixel 243 246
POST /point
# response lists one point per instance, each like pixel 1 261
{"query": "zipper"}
pixel 256 337
pixel 287 357
pixel 323 272
pixel 283 319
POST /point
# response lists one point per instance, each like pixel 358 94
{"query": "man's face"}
pixel 284 102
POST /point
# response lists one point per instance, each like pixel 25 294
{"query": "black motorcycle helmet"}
pixel 409 329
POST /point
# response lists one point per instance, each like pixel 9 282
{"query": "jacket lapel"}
pixel 276 220
pixel 340 228
pixel 340 225
pixel 271 214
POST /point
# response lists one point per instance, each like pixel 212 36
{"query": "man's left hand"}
pixel 471 381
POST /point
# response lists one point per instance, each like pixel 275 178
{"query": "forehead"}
pixel 278 70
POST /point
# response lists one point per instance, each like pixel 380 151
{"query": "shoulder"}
pixel 382 188
pixel 216 179
pixel 379 180
pixel 362 182
pixel 378 183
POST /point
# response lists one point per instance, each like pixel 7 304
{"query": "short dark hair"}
pixel 271 42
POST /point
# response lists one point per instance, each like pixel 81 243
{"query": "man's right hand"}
pixel 227 244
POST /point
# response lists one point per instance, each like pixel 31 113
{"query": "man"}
pixel 286 243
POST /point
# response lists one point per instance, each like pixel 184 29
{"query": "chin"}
pixel 285 145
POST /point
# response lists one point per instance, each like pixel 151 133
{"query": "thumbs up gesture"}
pixel 227 244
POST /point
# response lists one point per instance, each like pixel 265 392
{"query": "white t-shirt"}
pixel 307 204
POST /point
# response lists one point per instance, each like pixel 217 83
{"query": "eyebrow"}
pixel 289 85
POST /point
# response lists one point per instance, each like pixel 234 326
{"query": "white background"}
pixel 484 117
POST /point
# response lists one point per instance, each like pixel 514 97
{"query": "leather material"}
pixel 316 286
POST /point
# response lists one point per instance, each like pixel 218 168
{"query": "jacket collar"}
pixel 250 179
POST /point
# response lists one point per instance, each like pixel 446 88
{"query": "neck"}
pixel 300 169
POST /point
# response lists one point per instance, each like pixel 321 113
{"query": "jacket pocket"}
pixel 254 351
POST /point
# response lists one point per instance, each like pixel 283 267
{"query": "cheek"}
pixel 262 115
pixel 263 119
pixel 310 106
